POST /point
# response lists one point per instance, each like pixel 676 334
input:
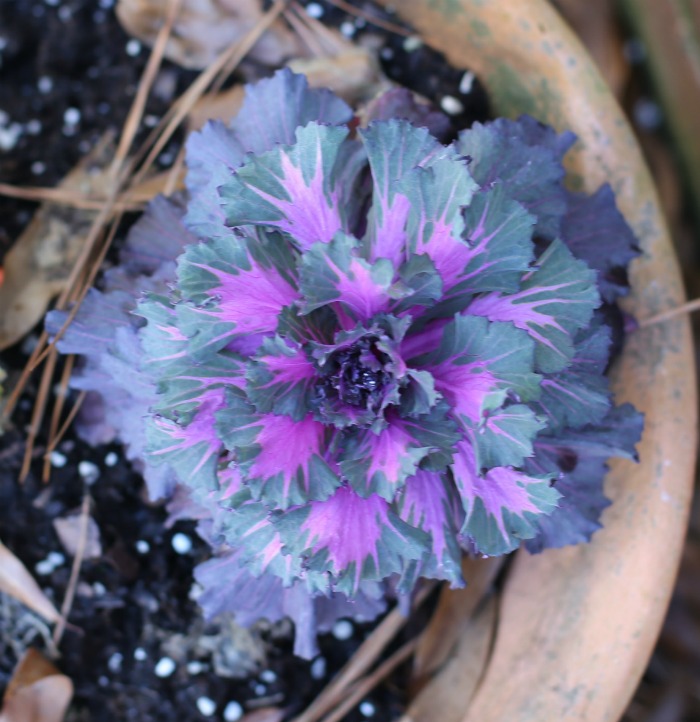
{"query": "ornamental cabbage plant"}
pixel 355 353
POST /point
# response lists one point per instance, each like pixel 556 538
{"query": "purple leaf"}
pixel 165 346
pixel 556 299
pixel 401 104
pixel 504 437
pixel 577 459
pixel 379 462
pixel 334 273
pixel 282 379
pixel 292 188
pixel 233 289
pixel 429 502
pixel 595 231
pixel 275 107
pixel 229 587
pixel 394 149
pixel 475 364
pixel 350 539
pixel 437 194
pixel 272 110
pixel 192 448
pixel 499 236
pixel 580 395
pixel 501 505
pixel 283 460
pixel 157 238
pixel 526 156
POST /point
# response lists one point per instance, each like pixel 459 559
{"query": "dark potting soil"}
pixel 137 647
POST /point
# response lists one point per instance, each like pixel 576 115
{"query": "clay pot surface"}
pixel 576 626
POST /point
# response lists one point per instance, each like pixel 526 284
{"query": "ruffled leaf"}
pixel 596 232
pixel 437 194
pixel 334 272
pixel 498 232
pixel 247 525
pixel 429 502
pixel 394 148
pixel 119 393
pixel 292 188
pixel 379 462
pixel 232 289
pixel 502 506
pixel 418 395
pixel 181 393
pixel 504 437
pixel 283 460
pixel 282 379
pixel 192 449
pixel 272 110
pixel 349 539
pixel 230 587
pixel 526 156
pixel 275 107
pixel 556 299
pixel 577 459
pixel 401 104
pixel 580 395
pixel 164 343
pixel 157 238
pixel 476 363
pixel 318 327
pixel 423 285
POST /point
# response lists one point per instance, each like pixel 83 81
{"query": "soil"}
pixel 137 647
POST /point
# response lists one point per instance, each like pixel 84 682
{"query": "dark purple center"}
pixel 356 376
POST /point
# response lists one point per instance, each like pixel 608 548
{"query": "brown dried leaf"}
pixel 16 581
pixel 451 617
pixel 40 262
pixel 37 692
pixel 205 28
pixel 68 529
pixel 353 74
pixel 448 693
pixel 222 106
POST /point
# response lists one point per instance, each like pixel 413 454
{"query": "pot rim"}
pixel 592 612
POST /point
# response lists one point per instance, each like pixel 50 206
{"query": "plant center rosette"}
pixel 362 352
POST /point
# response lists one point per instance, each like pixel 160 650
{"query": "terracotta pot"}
pixel 576 626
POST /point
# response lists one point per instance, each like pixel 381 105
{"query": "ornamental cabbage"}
pixel 356 353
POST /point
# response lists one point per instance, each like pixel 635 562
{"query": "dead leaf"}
pixel 205 28
pixel 16 581
pixel 222 106
pixel 353 74
pixel 39 263
pixel 37 692
pixel 448 694
pixel 452 615
pixel 68 529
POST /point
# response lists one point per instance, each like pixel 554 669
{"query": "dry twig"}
pixel 371 18
pixel 365 656
pixel 75 570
